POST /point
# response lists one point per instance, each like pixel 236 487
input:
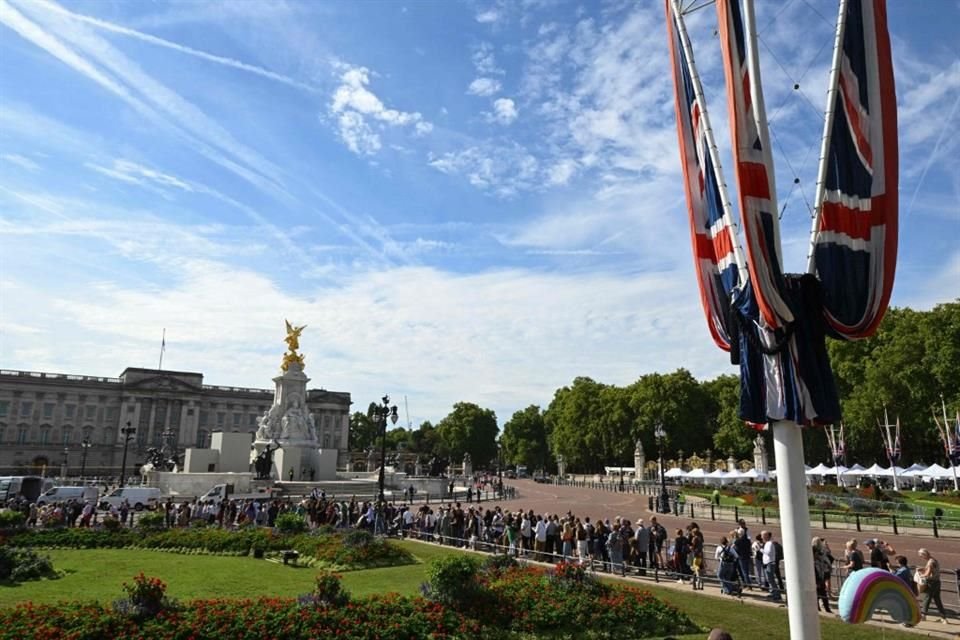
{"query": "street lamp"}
pixel 127 433
pixel 66 459
pixel 380 414
pixel 500 468
pixel 660 434
pixel 85 444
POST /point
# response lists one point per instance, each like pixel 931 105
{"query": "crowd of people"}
pixel 619 546
pixel 924 580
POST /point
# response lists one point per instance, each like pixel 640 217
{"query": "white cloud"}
pixel 355 345
pixel 503 169
pixel 561 172
pixel 487 17
pixel 21 161
pixel 484 60
pixel 504 110
pixel 484 87
pixel 354 105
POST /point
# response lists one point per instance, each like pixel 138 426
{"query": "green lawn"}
pixel 97 575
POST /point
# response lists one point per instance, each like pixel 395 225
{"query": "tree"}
pixel 426 440
pixel 732 436
pixel 573 421
pixel 525 438
pixel 678 402
pixel 470 429
pixel 363 429
pixel 905 366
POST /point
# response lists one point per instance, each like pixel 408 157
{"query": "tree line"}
pixel 905 367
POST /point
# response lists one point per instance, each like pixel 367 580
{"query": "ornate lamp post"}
pixel 381 413
pixel 500 468
pixel 85 444
pixel 127 433
pixel 660 434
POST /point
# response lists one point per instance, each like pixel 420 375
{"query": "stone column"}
pixel 639 461
pixel 561 466
pixel 731 464
pixel 760 456
pixel 467 465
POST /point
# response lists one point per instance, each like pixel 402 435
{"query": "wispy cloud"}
pixel 501 169
pixel 485 61
pixel 21 161
pixel 203 55
pixel 487 17
pixel 484 87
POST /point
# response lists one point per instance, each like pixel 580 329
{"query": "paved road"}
pixel 545 498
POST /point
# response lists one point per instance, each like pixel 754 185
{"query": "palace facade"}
pixel 48 420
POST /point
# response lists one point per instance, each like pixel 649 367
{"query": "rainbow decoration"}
pixel 867 590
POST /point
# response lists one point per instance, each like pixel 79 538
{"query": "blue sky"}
pixel 464 201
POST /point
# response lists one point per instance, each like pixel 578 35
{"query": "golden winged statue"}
pixel 293 342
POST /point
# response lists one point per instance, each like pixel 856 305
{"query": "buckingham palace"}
pixel 49 421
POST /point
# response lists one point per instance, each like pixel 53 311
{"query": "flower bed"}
pixel 512 602
pixel 344 551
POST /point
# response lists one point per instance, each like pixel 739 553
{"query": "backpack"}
pixel 726 555
pixel 777 551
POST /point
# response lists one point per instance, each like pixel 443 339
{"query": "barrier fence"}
pixel 879 522
pixel 652 571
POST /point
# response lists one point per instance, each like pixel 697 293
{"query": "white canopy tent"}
pixel 675 472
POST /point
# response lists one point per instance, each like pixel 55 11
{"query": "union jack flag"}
pixel 753 167
pixel 855 242
pixel 712 231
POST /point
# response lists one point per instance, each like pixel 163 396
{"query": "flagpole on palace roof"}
pixel 163 347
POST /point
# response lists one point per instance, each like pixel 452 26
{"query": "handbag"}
pixel 920 580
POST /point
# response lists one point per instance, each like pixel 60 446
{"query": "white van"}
pixel 63 494
pixel 139 498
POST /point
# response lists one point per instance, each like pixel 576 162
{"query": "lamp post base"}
pixel 664 503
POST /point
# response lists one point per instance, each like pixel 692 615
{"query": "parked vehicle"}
pixel 63 494
pixel 139 498
pixel 521 471
pixel 220 492
pixel 27 487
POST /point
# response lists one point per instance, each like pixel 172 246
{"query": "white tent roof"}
pixel 752 473
pixel 819 470
pixel 694 473
pixel 914 471
pixel 718 473
pixel 675 472
pixel 855 470
pixel 936 471
pixel 875 470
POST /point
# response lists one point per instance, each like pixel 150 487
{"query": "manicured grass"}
pixel 97 575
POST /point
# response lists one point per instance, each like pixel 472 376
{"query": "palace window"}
pixel 26 408
pixel 48 410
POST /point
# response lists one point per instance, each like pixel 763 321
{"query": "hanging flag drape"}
pixel 854 244
pixel 712 230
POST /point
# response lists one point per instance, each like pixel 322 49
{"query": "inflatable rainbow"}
pixel 867 590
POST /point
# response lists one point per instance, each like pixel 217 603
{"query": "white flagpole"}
pixel 827 127
pixel 787 440
pixel 945 435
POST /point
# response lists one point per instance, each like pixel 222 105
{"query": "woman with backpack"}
pixel 727 568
